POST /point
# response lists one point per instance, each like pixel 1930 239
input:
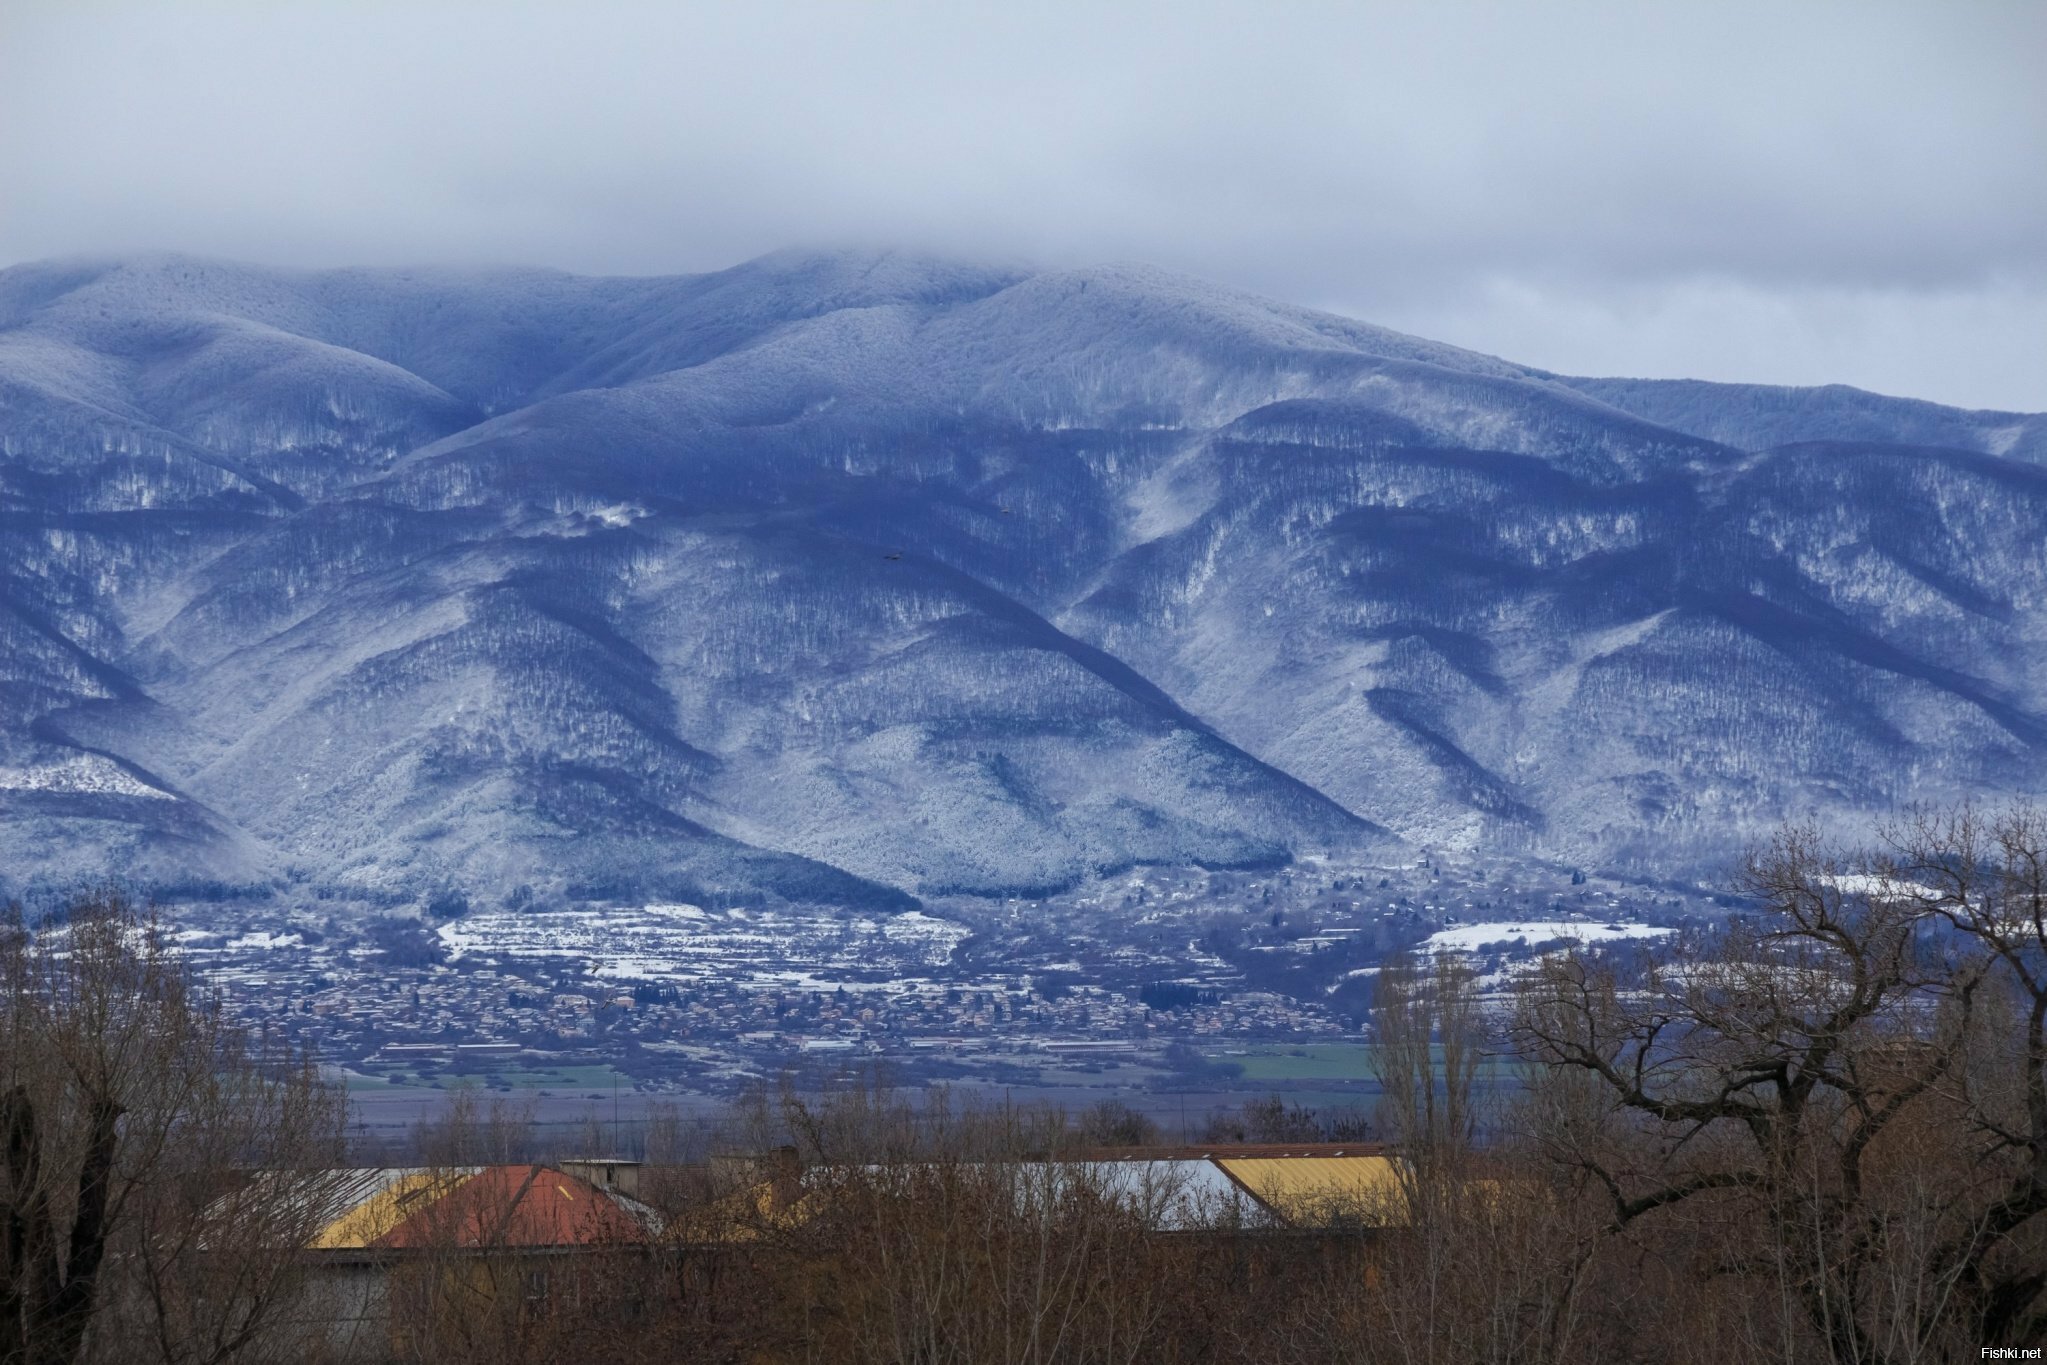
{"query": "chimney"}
pixel 606 1173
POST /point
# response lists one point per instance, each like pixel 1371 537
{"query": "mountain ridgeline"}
pixel 860 577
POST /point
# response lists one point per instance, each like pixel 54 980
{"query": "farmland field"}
pixel 1342 1063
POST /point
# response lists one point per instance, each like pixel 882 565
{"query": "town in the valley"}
pixel 1153 981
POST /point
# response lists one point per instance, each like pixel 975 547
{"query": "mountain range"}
pixel 863 576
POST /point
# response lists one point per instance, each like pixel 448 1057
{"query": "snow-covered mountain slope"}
pixel 849 577
pixel 1760 416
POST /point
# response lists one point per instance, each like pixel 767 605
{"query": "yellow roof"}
pixel 1317 1188
pixel 388 1204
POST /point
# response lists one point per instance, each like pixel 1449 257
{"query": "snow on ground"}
pixel 1469 938
pixel 678 911
pixel 1861 884
pixel 915 926
pixel 87 773
pixel 259 941
pixel 671 942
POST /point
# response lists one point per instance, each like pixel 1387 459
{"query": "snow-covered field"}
pixel 1469 938
pixel 684 943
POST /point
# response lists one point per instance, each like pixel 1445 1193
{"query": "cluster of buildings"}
pixel 678 996
pixel 390 1255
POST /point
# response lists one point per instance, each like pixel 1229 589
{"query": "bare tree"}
pixel 1769 1083
pixel 1985 877
pixel 133 1110
pixel 1429 1039
pixel 1270 1119
pixel 1112 1123
pixel 470 1132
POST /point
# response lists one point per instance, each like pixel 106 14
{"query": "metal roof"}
pixel 519 1206
pixel 1316 1190
pixel 364 1206
pixel 1169 1189
pixel 474 1207
pixel 530 1207
pixel 1172 1195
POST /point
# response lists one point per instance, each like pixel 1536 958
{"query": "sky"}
pixel 1797 194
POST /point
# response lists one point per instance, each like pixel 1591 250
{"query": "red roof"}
pixel 518 1206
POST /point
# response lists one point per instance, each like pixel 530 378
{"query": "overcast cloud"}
pixel 1785 193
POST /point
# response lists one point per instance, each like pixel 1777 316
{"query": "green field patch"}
pixel 373 1081
pixel 1347 1063
pixel 1310 1062
pixel 357 1082
pixel 595 1076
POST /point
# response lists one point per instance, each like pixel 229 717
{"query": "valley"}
pixel 1147 983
